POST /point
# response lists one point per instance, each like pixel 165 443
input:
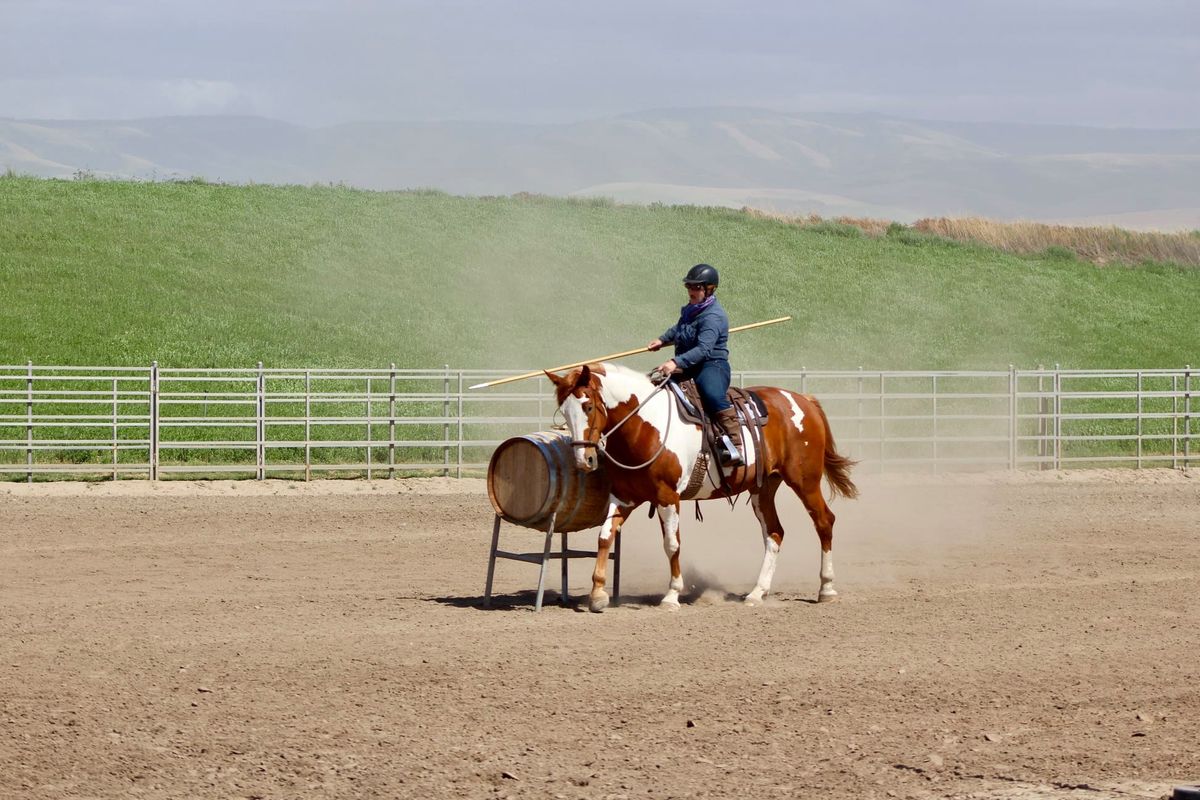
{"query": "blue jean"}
pixel 712 379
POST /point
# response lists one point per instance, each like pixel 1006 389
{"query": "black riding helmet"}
pixel 702 275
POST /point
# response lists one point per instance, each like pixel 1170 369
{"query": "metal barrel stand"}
pixel 564 554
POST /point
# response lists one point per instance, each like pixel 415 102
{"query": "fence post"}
pixel 541 393
pixel 460 424
pixel 260 426
pixel 1187 416
pixel 882 425
pixel 392 423
pixel 154 421
pixel 1041 419
pixel 307 425
pixel 29 423
pixel 1057 422
pixel 861 447
pixel 1012 416
pixel 446 422
pixel 1140 406
pixel 1174 422
pixel 368 427
pixel 114 453
pixel 935 424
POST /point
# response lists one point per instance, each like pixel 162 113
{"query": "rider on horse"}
pixel 702 352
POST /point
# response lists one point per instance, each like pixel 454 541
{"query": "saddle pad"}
pixel 752 412
pixel 687 400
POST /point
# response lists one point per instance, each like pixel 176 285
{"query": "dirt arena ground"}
pixel 997 637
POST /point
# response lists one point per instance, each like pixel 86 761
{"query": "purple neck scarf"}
pixel 689 312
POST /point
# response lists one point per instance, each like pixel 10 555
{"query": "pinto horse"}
pixel 652 451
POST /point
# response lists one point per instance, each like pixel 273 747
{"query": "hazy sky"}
pixel 1101 62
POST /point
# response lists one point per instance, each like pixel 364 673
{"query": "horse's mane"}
pixel 618 378
pixel 625 372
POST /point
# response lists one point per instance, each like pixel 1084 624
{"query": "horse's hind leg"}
pixel 668 519
pixel 772 532
pixel 822 517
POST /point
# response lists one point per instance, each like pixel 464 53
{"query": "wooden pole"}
pixel 610 357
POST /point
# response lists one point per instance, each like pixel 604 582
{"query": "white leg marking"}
pixel 598 601
pixel 606 528
pixel 668 518
pixel 770 556
pixel 827 591
pixel 598 598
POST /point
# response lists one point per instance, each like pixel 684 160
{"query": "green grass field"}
pixel 199 275
pixel 195 274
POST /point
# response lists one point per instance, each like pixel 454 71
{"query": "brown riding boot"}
pixel 733 429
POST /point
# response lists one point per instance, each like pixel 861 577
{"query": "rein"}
pixel 600 443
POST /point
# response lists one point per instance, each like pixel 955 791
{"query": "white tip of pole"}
pixel 478 386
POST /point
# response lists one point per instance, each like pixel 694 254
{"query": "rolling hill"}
pixel 798 163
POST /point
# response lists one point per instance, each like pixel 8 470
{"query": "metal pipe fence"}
pixel 156 422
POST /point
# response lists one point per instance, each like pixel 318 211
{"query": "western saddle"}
pixel 752 413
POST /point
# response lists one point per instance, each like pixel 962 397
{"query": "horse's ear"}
pixel 585 376
pixel 557 381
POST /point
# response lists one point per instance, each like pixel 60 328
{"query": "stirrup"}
pixel 730 456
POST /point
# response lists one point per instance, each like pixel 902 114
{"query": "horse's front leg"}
pixel 617 514
pixel 668 519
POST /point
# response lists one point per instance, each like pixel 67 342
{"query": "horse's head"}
pixel 578 395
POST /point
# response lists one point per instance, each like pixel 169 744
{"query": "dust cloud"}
pixel 899 531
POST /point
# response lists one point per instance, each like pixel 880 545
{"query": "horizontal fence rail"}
pixel 153 422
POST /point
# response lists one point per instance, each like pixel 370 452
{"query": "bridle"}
pixel 602 438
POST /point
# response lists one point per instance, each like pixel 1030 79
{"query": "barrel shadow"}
pixel 511 601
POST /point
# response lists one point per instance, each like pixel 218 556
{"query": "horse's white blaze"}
pixel 797 414
pixel 576 417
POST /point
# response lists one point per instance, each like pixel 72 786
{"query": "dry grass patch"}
pixel 1110 245
pixel 1099 245
pixel 870 227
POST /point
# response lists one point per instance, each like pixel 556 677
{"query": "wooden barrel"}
pixel 533 476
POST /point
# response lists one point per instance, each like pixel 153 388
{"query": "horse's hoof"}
pixel 753 600
pixel 832 597
pixel 598 604
pixel 669 603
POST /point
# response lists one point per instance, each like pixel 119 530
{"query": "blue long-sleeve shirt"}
pixel 704 338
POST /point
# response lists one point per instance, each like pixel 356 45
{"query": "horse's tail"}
pixel 837 466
